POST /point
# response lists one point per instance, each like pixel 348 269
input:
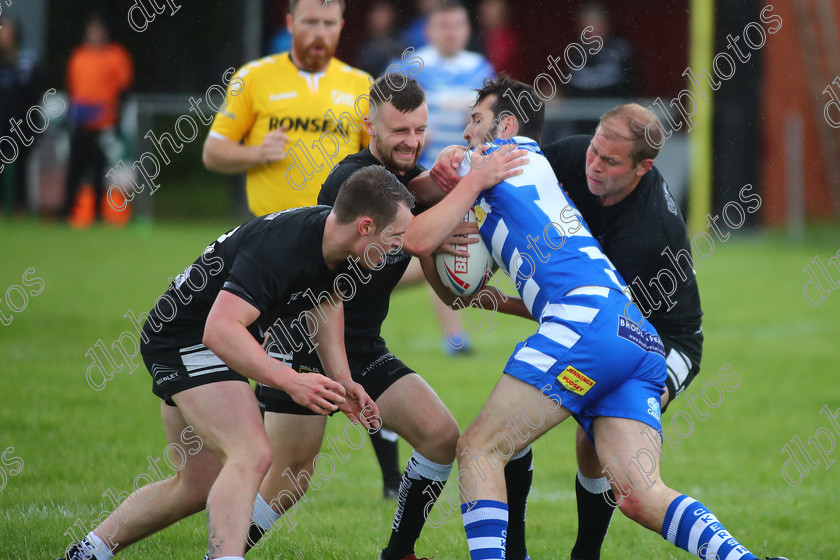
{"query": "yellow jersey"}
pixel 323 114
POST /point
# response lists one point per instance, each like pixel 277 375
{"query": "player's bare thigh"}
pixel 516 412
pixel 411 408
pixel 226 417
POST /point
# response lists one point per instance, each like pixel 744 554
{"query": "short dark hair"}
pixel 447 6
pixel 646 130
pixel 404 93
pixel 530 116
pixel 371 191
pixel 293 4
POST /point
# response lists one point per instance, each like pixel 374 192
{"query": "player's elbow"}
pixel 208 157
pixel 211 336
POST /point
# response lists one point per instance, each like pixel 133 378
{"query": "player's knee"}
pixel 253 459
pixel 444 435
pixel 263 456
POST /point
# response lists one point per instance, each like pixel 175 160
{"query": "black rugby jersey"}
pixel 365 312
pixel 636 234
pixel 270 262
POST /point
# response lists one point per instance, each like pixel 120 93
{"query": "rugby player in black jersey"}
pixel 626 203
pixel 202 341
pixel 407 404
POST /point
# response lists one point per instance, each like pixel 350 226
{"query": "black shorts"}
pixel 682 355
pixel 178 370
pixel 371 365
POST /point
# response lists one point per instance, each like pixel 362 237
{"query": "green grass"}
pixel 75 443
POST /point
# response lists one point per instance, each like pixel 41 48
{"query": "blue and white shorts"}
pixel 594 350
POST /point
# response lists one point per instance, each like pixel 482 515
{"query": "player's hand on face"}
pixel 495 166
pixel 273 147
pixel 454 244
pixel 317 393
pixel 445 170
pixel 357 401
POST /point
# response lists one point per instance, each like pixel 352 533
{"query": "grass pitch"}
pixel 72 443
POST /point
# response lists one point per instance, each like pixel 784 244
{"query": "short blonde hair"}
pixel 646 131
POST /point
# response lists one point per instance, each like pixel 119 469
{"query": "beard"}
pixel 394 164
pixel 488 135
pixel 315 61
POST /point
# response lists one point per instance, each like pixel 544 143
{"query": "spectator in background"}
pixel 98 74
pixel 609 72
pixel 498 37
pixel 415 33
pixel 18 92
pixel 382 44
pixel 281 40
pixel 450 75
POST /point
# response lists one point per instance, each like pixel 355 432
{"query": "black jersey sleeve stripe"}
pixel 239 291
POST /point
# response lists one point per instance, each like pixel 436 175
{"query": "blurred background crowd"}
pixel 119 82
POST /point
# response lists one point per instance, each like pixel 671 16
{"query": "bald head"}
pixel 634 123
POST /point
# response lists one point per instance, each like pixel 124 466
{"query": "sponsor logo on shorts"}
pixel 649 342
pixel 162 374
pixel 376 363
pixel 573 380
pixel 307 369
pixel 653 408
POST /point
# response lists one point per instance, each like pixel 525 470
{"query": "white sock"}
pixel 263 515
pixel 100 551
pixel 230 558
pixel 594 485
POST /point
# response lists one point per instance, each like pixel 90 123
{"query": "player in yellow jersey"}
pixel 296 115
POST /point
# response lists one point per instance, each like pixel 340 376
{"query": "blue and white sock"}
pixel 693 528
pixel 486 522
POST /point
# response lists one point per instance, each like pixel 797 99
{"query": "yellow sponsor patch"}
pixel 480 214
pixel 573 380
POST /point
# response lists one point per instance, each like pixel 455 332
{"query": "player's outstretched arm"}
pixel 427 231
pixel 330 347
pixel 425 190
pixel 226 334
pixel 226 156
pixel 432 185
pixel 509 305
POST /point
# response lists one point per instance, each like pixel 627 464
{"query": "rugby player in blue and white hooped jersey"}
pixel 592 356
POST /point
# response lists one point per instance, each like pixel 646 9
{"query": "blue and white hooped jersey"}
pixel 537 235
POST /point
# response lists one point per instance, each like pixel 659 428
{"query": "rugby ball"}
pixel 464 276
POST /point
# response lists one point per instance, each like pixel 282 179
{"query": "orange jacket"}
pixel 95 78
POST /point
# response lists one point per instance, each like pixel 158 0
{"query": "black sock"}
pixel 519 473
pixel 594 515
pixel 421 485
pixel 387 453
pixel 255 533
